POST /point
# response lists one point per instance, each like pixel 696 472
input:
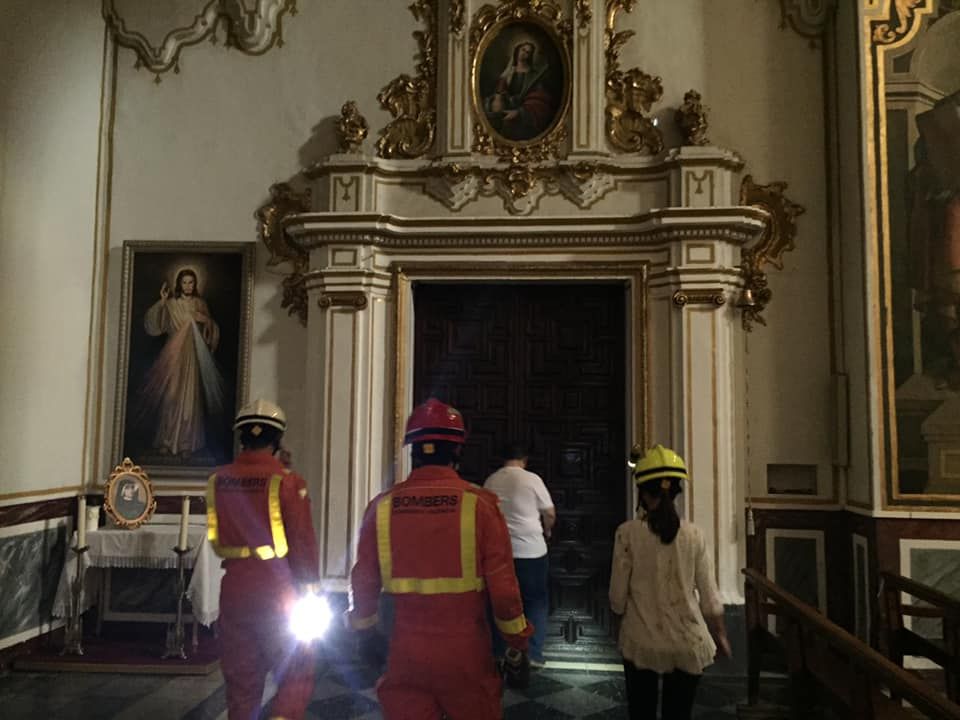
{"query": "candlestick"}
pixel 174 641
pixel 73 633
pixel 184 521
pixel 81 521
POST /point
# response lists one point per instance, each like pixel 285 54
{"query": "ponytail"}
pixel 663 520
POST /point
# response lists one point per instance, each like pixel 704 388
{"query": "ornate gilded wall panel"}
pixel 912 83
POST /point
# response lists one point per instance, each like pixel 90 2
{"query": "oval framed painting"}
pixel 128 496
pixel 521 81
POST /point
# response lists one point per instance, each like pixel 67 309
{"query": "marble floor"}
pixel 343 691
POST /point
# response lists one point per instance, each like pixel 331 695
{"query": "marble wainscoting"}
pixel 795 561
pixel 31 559
pixel 935 563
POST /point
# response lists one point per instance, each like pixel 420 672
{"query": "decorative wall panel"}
pixel 250 26
pixel 30 566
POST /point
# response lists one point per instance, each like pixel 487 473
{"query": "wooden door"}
pixel 543 364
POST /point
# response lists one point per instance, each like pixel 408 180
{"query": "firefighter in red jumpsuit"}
pixel 259 522
pixel 441 548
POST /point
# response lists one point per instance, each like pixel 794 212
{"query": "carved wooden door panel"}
pixel 543 364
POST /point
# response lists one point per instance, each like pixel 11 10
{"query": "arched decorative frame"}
pixel 488 25
pixel 890 32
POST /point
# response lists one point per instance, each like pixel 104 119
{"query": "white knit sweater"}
pixel 655 587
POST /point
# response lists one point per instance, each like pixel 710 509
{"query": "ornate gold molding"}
pixel 583 13
pixel 412 100
pixel 285 201
pixel 630 93
pixel 356 300
pixel 127 472
pixel 892 29
pixel 777 238
pixel 520 184
pixel 456 17
pixel 351 128
pixel 808 18
pixel 710 296
pixel 251 31
pixel 691 118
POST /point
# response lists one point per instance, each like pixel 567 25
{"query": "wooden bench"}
pixel 857 679
pixel 897 640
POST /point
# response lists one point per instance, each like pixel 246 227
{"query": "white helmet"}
pixel 261 412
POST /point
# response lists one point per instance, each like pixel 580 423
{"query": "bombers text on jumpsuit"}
pixel 258 517
pixel 439 545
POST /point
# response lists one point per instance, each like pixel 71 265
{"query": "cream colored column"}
pixel 349 400
pixel 693 327
pixel 589 81
pixel 454 135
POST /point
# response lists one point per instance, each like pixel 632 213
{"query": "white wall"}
pixel 763 87
pixel 51 55
pixel 196 154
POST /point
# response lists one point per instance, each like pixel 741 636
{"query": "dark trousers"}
pixel 533 578
pixel 643 692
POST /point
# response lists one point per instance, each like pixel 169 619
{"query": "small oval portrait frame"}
pixel 521 109
pixel 128 496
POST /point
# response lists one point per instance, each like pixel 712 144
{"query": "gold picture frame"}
pixel 169 364
pixel 128 497
pixel 910 97
pixel 520 110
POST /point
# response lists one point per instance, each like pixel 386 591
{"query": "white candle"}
pixel 184 518
pixel 81 521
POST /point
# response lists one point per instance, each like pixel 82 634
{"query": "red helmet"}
pixel 435 420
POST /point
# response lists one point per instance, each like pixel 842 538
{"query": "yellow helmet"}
pixel 657 462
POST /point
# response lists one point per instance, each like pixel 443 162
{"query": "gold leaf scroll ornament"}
pixel 777 238
pixel 285 201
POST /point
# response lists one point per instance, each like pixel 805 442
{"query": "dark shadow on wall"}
pixel 322 142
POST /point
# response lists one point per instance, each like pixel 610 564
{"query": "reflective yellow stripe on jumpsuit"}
pixel 264 552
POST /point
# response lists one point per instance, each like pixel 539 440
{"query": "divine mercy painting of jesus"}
pixel 184 347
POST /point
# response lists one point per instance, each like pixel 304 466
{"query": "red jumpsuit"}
pixel 259 521
pixel 440 546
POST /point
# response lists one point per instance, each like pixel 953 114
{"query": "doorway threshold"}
pixel 583 666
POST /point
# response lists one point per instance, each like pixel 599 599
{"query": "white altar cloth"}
pixel 149 546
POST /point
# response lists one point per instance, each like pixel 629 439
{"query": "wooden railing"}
pixel 897 640
pixel 855 676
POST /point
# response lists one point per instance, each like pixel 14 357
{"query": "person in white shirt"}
pixel 658 562
pixel 530 515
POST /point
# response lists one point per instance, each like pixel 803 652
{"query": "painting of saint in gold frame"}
pixel 521 81
pixel 128 496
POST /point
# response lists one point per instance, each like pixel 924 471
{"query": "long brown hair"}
pixel 663 520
